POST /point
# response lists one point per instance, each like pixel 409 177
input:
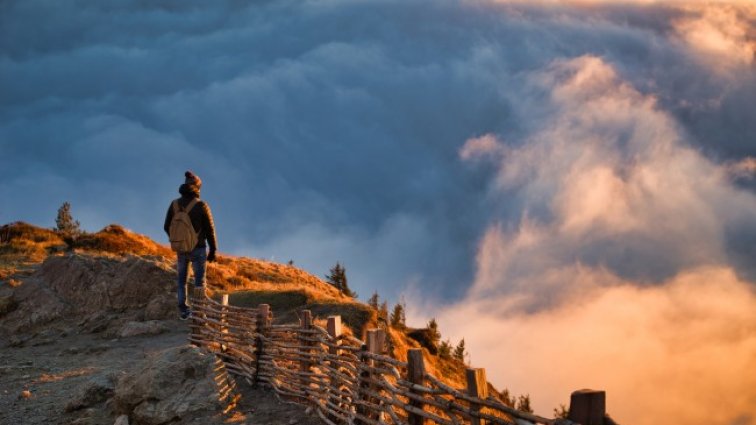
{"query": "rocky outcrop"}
pixel 90 283
pixel 169 386
pixel 84 286
pixel 94 391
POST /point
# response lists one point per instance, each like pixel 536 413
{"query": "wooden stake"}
pixel 263 323
pixel 304 365
pixel 588 407
pixel 334 330
pixel 376 340
pixel 477 386
pixel 416 375
pixel 223 326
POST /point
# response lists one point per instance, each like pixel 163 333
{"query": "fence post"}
pixel 305 364
pixel 224 325
pixel 196 298
pixel 416 375
pixel 376 339
pixel 263 322
pixel 477 386
pixel 587 407
pixel 334 331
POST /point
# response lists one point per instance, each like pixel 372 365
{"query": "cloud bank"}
pixel 617 274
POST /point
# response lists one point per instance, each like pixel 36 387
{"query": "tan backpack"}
pixel 182 234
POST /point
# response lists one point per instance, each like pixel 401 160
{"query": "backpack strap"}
pixel 191 204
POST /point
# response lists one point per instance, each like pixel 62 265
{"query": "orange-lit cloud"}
pixel 571 296
pixel 721 35
pixel 680 353
pixel 745 168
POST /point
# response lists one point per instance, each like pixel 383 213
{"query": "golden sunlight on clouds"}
pixel 721 35
pixel 609 184
pixel 683 352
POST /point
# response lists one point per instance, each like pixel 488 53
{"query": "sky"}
pixel 577 176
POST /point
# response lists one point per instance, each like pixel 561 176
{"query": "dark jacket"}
pixel 202 219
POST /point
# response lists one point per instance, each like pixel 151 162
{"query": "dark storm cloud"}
pixel 323 130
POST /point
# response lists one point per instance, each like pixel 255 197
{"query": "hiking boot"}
pixel 185 315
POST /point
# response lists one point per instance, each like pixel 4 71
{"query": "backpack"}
pixel 181 233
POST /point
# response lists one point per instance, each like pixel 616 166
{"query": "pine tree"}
pixel 397 316
pixel 374 300
pixel 459 350
pixel 444 349
pixel 337 277
pixel 383 313
pixel 561 412
pixel 433 332
pixel 523 403
pixel 65 224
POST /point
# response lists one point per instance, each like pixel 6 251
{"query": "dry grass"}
pixel 115 239
pixel 28 244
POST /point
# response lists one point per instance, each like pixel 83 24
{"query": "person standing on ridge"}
pixel 189 223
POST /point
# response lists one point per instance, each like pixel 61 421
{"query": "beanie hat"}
pixel 192 179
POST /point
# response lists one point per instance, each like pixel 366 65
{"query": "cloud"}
pixel 745 168
pixel 720 34
pixel 618 265
pixel 681 351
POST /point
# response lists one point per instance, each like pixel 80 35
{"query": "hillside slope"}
pixel 108 283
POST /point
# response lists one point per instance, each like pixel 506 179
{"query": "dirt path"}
pixel 56 363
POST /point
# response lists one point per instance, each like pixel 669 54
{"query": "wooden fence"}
pixel 348 381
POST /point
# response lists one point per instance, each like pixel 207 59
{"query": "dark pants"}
pixel 198 258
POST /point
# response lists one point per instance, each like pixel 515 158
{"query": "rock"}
pixel 172 384
pixel 292 422
pixel 95 391
pixel 122 420
pixel 94 284
pixel 96 322
pixel 152 327
pixel 7 304
pixel 36 305
pixel 162 307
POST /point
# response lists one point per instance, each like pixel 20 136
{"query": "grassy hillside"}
pixel 248 281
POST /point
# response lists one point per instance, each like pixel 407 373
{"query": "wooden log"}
pixel 263 328
pixel 304 363
pixel 588 407
pixel 334 331
pixel 224 322
pixel 376 341
pixel 415 374
pixel 196 297
pixel 477 387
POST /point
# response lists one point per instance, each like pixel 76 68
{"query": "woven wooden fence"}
pixel 346 380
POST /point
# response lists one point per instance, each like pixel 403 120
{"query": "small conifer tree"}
pixel 561 412
pixel 337 277
pixel 397 316
pixel 523 403
pixel 459 350
pixel 65 224
pixel 374 300
pixel 433 331
pixel 383 313
pixel 445 349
